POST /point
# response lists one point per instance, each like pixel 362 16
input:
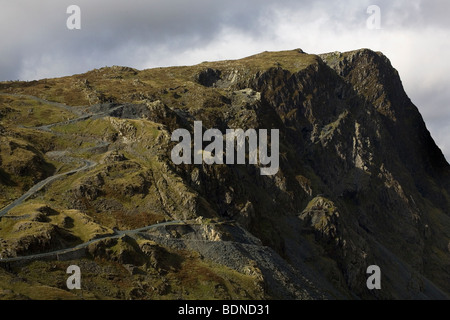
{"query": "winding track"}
pixel 88 164
pixel 117 234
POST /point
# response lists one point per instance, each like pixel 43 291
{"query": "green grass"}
pixel 183 275
pixel 97 127
pixel 74 222
pixel 81 225
pixel 12 287
pixel 31 113
pixel 22 165
pixel 108 81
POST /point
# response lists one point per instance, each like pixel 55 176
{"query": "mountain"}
pixel 360 183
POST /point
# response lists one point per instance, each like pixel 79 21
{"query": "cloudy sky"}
pixel 414 34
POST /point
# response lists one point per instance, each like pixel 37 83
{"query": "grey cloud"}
pixel 38 28
pixel 435 13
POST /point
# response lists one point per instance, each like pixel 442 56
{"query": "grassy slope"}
pixel 175 87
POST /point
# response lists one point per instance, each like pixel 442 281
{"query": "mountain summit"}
pixel 360 183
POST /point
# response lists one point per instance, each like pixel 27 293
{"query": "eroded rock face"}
pixel 361 181
pixel 345 118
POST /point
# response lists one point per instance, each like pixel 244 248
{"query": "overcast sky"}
pixel 414 34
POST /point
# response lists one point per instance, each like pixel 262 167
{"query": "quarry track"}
pixel 117 234
pixel 88 164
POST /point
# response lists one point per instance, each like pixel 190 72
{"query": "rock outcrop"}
pixel 361 181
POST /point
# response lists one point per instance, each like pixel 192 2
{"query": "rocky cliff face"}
pixel 361 181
